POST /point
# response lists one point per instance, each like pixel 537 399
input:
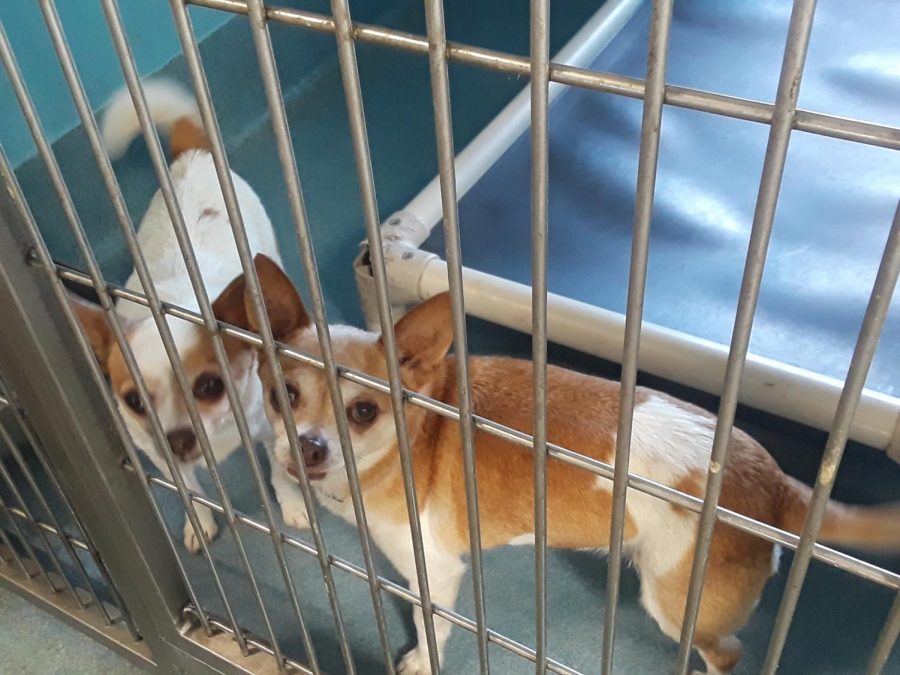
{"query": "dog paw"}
pixel 295 515
pixel 209 527
pixel 414 662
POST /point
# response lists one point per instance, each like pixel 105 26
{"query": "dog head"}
pixel 423 338
pixel 195 348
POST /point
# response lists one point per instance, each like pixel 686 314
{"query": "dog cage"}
pixel 85 527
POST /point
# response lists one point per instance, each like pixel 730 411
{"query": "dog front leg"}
pixel 204 514
pixel 287 492
pixel 444 575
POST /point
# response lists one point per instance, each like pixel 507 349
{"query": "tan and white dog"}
pixel 671 444
pixel 197 189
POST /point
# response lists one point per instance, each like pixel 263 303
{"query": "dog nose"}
pixel 182 441
pixel 314 450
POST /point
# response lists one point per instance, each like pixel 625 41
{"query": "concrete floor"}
pixel 32 641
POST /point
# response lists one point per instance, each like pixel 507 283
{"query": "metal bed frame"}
pixel 57 395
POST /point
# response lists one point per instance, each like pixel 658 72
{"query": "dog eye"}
pixel 293 397
pixel 133 400
pixel 363 412
pixel 208 387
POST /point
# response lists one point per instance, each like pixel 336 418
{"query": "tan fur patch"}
pixel 187 135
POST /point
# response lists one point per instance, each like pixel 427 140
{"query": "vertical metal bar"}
pixel 158 158
pixel 353 94
pixel 204 100
pixel 50 471
pixel 443 124
pixel 29 550
pixel 886 640
pixel 51 516
pixel 4 538
pixel 867 341
pixel 60 187
pixel 281 128
pixel 648 160
pixel 90 126
pixel 788 91
pixel 75 419
pixel 51 553
pixel 540 112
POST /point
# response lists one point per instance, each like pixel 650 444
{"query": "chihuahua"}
pixel 197 189
pixel 671 444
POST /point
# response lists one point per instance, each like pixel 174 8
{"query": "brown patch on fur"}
pixel 187 135
pixel 210 212
pixel 578 512
pixel 119 377
pixel 95 326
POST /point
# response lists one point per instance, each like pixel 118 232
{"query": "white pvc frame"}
pixel 415 275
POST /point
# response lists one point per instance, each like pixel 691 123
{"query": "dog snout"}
pixel 182 442
pixel 314 450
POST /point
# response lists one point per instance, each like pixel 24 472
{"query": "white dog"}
pixel 197 188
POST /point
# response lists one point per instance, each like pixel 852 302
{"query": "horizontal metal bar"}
pixel 259 644
pixel 809 121
pixel 863 353
pixel 60 605
pixel 47 527
pixel 383 582
pixel 744 523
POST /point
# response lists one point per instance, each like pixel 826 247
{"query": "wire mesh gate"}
pixel 94 541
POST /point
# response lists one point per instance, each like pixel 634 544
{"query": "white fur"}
pixel 667 443
pixel 522 540
pixel 167 102
pixel 203 208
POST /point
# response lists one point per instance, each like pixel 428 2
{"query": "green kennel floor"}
pixel 35 643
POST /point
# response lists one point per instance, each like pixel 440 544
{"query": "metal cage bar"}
pixel 788 92
pixel 540 159
pixel 133 82
pixel 359 136
pixel 867 341
pixel 782 116
pixel 85 542
pixel 443 123
pixel 29 551
pixel 648 160
pixel 53 169
pixel 886 640
pixel 281 129
pixel 89 124
pixel 386 584
pixel 605 470
pixel 8 545
pixel 683 97
pixel 22 463
pixel 191 52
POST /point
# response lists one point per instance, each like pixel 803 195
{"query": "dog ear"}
pixel 283 303
pixel 425 333
pixel 229 306
pixel 95 326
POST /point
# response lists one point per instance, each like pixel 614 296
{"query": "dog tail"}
pixel 172 109
pixel 871 528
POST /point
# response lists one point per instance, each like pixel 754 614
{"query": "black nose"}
pixel 314 450
pixel 182 441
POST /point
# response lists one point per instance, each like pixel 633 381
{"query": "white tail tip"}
pixel 167 102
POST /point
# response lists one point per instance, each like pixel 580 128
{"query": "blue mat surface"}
pixel 833 215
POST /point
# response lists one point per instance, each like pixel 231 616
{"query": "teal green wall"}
pixel 153 40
